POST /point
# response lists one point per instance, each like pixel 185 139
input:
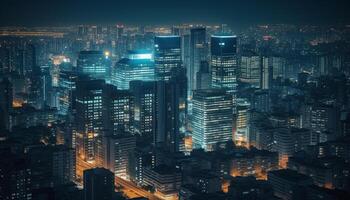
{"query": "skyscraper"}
pixel 224 62
pixel 89 115
pixel 198 53
pixel 98 184
pixel 171 110
pixel 93 63
pixel 119 113
pixel 167 55
pixel 144 94
pixel 139 65
pixel 212 118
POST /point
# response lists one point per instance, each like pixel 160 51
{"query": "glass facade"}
pixel 212 118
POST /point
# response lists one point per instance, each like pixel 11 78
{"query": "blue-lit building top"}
pixel 95 64
pixel 139 65
pixel 167 55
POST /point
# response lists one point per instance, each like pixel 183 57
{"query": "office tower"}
pixel 212 118
pixel 138 65
pixel 118 150
pixel 250 69
pixel 241 136
pixel 89 116
pixel 266 72
pixel 119 114
pixel 94 64
pixel 203 76
pixel 5 103
pixel 171 110
pixel 167 55
pixel 66 97
pixel 98 184
pixel 278 67
pixel 224 62
pixel 15 176
pixel 144 94
pixel 288 184
pixel 198 53
pixel 261 101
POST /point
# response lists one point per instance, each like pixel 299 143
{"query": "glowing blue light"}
pixel 222 43
pixel 224 36
pixel 140 56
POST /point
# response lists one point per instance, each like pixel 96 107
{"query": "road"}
pixel 135 189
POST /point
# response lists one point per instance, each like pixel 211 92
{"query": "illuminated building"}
pixel 288 184
pixel 89 116
pixel 165 179
pixel 167 55
pixel 224 64
pixel 119 110
pixel 241 136
pixel 266 72
pixel 198 53
pixel 138 66
pixel 253 163
pixel 118 149
pixel 98 184
pixel 67 85
pixel 250 69
pixel 144 111
pixel 94 64
pixel 287 141
pixel 212 118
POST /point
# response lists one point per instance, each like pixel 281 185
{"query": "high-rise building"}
pixel 89 115
pixel 171 110
pixel 266 72
pixel 66 97
pixel 118 150
pixel 94 64
pixel 203 76
pixel 224 62
pixel 167 55
pixel 198 53
pixel 241 136
pixel 250 69
pixel 98 184
pixel 212 118
pixel 119 113
pixel 144 94
pixel 139 65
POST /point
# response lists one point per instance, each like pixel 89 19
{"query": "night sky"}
pixel 232 12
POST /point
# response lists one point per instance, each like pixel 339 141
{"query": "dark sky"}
pixel 233 12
